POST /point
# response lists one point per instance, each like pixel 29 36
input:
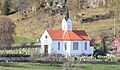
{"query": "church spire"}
pixel 67 14
pixel 65 1
pixel 66 22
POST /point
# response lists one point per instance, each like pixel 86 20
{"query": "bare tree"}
pixel 23 5
pixel 71 63
pixel 40 15
pixel 7 31
pixel 80 4
pixel 104 38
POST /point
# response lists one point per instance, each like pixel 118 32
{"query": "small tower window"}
pixel 64 26
pixel 68 26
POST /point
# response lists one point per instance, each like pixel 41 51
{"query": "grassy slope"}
pixel 21 40
pixel 31 28
pixel 31 66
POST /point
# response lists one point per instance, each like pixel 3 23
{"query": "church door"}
pixel 46 49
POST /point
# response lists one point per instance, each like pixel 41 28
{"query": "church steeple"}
pixel 66 22
pixel 67 14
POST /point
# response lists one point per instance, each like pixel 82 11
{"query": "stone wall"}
pixel 94 3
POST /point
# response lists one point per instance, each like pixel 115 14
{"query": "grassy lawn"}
pixel 31 66
pixel 100 67
pixel 27 66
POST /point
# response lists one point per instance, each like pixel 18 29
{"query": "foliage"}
pixel 104 38
pixel 26 51
pixel 71 63
pixel 31 27
pixel 6 8
pixel 53 59
pixel 99 53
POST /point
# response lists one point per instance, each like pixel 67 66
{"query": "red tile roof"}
pixel 56 34
pixel 68 35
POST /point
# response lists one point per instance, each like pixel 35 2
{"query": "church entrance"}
pixel 46 49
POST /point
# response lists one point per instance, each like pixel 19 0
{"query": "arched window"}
pixel 46 36
pixel 58 45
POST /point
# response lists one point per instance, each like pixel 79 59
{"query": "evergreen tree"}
pixel 6 8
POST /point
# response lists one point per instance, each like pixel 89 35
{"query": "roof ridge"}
pixel 69 35
pixel 63 35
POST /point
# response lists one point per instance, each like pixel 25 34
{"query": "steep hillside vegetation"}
pixel 31 24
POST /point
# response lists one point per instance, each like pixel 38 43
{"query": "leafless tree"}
pixel 80 4
pixel 40 15
pixel 23 4
pixel 7 31
pixel 71 63
pixel 104 37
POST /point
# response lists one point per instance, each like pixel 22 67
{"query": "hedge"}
pixel 14 55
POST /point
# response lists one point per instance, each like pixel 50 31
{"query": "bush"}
pixel 6 8
pixel 99 53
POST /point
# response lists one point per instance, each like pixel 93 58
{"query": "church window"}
pixel 46 36
pixel 65 45
pixel 75 45
pixel 85 45
pixel 58 45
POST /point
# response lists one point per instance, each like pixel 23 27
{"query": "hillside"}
pixel 31 27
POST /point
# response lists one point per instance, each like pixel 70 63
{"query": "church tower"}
pixel 66 22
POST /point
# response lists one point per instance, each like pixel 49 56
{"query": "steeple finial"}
pixel 66 14
pixel 66 10
pixel 65 1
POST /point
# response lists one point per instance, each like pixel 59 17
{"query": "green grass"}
pixel 21 39
pixel 100 67
pixel 32 66
pixel 27 66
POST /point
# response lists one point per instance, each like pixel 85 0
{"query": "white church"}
pixel 66 42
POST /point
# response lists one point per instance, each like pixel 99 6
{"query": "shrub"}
pixel 6 8
pixel 99 53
